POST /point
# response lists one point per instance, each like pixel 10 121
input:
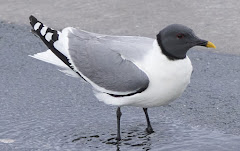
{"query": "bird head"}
pixel 175 40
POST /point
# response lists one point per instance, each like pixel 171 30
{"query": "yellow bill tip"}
pixel 210 45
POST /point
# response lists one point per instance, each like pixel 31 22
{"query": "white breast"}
pixel 168 79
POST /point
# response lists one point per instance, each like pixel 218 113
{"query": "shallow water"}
pixel 169 135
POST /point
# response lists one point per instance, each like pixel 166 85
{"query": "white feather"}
pixel 48 36
pixel 43 30
pixel 36 26
pixel 62 43
pixel 49 57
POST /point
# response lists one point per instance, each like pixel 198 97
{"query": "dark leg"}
pixel 149 127
pixel 119 114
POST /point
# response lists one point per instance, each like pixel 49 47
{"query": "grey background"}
pixel 216 20
pixel 42 109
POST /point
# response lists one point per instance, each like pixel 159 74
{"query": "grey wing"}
pixel 101 59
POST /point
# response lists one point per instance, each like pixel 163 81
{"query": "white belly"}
pixel 168 79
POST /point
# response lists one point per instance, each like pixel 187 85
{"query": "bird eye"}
pixel 180 36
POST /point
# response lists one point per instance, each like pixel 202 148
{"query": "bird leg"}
pixel 149 127
pixel 119 114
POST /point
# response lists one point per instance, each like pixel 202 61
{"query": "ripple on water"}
pixel 169 135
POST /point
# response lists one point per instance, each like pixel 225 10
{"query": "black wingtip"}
pixel 37 32
pixel 33 20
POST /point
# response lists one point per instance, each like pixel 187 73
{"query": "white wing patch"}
pixel 43 30
pixel 48 36
pixel 36 26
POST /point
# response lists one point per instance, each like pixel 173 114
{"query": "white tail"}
pixel 49 57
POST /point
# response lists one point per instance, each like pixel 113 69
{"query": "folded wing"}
pixel 108 60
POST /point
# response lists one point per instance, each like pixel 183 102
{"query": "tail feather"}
pixel 49 57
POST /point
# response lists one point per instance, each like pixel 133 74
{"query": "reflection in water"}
pixel 171 135
pixel 133 138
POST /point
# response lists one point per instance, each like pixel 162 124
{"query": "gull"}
pixel 124 70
